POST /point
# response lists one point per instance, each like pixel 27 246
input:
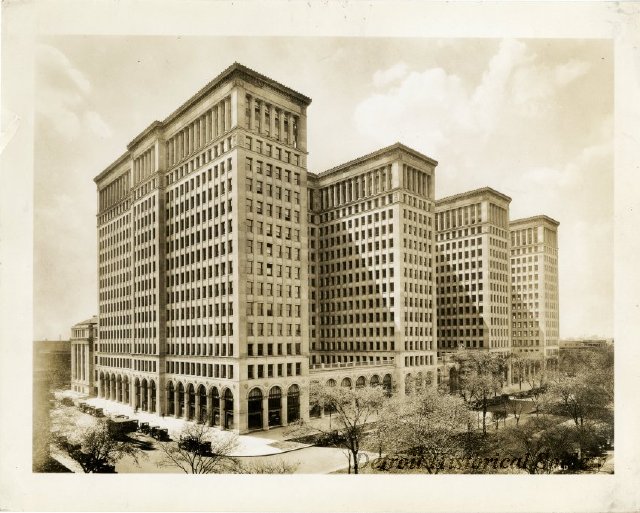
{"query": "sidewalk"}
pixel 263 443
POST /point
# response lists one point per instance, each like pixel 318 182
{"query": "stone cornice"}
pixel 476 193
pixel 539 219
pixel 397 147
pixel 118 162
pixel 234 71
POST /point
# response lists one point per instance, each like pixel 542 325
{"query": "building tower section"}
pixel 534 286
pixel 473 272
pixel 375 264
pixel 113 351
pixel 202 227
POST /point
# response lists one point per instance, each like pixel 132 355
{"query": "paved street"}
pixel 309 460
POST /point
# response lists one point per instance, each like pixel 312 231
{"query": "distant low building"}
pixel 51 371
pixel 83 337
pixel 575 344
pixel 52 362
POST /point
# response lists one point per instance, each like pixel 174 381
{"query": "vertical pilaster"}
pixel 285 410
pixel 265 412
pixel 281 134
pixel 227 114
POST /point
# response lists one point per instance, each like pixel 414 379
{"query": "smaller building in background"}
pixel 83 336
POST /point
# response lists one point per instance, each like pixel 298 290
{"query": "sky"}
pixel 532 118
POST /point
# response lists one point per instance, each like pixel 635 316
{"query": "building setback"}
pixel 473 272
pixel 534 286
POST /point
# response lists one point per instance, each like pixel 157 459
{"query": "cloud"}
pixel 431 108
pixel 418 111
pixel 385 77
pixel 64 96
pixel 568 72
pixel 95 122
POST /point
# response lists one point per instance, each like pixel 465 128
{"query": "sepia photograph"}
pixel 321 255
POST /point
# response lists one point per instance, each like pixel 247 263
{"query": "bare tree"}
pixel 481 377
pixel 97 449
pixel 269 466
pixel 354 409
pixel 384 434
pixel 518 365
pixel 537 446
pixel 515 407
pixel 199 450
pixel 431 426
pixel 94 447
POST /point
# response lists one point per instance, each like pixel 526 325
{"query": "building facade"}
pixel 203 259
pixel 473 272
pixel 372 272
pixel 534 284
pixel 83 337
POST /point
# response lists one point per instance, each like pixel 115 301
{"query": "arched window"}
pixel 275 406
pixel 408 384
pixel 453 380
pixel 180 408
pixel 136 393
pixel 119 388
pixel 143 395
pixel 331 383
pixel 361 382
pixel 107 387
pixel 125 389
pixel 113 387
pixel 152 387
pixel 202 410
pixel 429 379
pixel 215 407
pixel 191 413
pixel 255 409
pixel 346 382
pixel 228 409
pixel 375 380
pixel 293 403
pixel 387 384
pixel 170 399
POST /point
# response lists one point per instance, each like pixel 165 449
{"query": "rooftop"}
pixel 535 219
pixel 470 194
pixel 92 320
pixel 235 70
pixel 388 149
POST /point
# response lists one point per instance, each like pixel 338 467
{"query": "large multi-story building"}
pixel 473 272
pixel 230 277
pixel 83 338
pixel 221 259
pixel 534 287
